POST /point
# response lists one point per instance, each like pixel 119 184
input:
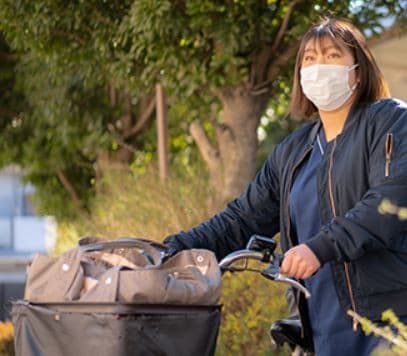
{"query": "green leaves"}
pixel 65 57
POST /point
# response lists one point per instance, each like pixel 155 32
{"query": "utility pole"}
pixel 162 132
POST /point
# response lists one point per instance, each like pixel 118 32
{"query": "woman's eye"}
pixel 308 58
pixel 333 55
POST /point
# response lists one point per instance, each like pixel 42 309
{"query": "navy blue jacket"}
pixel 365 164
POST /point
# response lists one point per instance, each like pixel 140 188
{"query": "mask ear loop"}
pixel 357 81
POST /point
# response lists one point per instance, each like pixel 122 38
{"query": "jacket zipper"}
pixel 288 211
pixel 346 265
pixel 388 151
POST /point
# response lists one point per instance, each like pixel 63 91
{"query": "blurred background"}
pixel 142 118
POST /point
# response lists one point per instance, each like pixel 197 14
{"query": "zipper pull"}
pixel 355 324
pixel 388 151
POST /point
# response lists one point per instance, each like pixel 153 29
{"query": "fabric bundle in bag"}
pixel 119 297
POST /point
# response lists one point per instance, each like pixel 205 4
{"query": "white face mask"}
pixel 327 85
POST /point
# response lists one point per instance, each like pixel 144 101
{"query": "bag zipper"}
pixel 346 265
pixel 388 151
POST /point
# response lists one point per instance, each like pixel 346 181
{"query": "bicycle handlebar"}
pixel 240 255
pixel 272 272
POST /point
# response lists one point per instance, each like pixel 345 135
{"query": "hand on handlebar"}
pixel 299 262
pixel 263 252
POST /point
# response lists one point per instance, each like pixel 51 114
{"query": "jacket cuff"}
pixel 323 247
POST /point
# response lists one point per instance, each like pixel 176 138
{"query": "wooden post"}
pixel 162 132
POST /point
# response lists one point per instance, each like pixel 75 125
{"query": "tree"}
pixel 236 53
pixel 224 59
pixel 75 117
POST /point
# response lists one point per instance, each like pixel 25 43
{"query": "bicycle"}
pixel 262 249
pixel 53 327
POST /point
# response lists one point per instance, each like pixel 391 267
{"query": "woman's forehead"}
pixel 324 43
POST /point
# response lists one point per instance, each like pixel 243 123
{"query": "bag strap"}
pixel 152 250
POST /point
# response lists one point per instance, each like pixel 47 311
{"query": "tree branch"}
pixel 112 94
pixel 119 138
pixel 261 89
pixel 383 332
pixel 258 64
pixel 274 70
pixel 283 27
pixel 5 111
pixel 208 152
pixel 142 121
pixel 274 67
pixel 8 56
pixel 69 187
pixel 127 118
pixel 263 60
pixel 70 36
pixel 102 19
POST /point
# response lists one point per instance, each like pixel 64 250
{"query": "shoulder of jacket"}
pixel 385 106
pixel 386 115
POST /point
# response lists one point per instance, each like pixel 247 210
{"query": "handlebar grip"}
pixel 272 272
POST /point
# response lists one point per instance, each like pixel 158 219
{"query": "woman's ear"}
pixel 357 78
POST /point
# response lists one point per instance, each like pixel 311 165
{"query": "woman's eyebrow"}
pixel 309 50
pixel 324 49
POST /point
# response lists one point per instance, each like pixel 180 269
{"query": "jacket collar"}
pixel 352 117
pixel 314 131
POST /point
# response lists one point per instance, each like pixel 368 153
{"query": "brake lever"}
pixel 284 279
pixel 273 272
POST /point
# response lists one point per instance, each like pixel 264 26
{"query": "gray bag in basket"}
pixel 125 270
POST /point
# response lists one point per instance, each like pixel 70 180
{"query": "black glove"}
pixel 172 247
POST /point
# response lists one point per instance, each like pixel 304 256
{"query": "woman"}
pixel 321 189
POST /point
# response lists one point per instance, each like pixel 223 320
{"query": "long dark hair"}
pixel 372 85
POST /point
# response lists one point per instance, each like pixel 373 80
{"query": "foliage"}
pixel 62 60
pixel 190 45
pixel 139 204
pixel 187 45
pixel 62 73
pixel 62 131
pixel 6 339
pixel 275 125
pixel 250 304
pixel 11 100
pixel 60 126
pixel 395 333
pixel 386 207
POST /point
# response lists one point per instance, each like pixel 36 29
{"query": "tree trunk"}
pixel 124 154
pixel 125 130
pixel 237 139
pixel 232 164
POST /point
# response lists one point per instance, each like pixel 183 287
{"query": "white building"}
pixel 22 234
pixel 21 231
pixel 390 51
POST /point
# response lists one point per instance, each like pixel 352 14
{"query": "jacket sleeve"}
pixel 366 227
pixel 256 211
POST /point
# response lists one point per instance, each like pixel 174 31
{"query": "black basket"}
pixel 75 329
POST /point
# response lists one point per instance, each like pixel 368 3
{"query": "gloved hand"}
pixel 172 247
